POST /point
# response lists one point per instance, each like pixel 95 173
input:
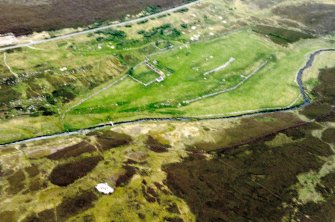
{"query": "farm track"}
pixel 300 73
pixel 8 67
pixel 121 24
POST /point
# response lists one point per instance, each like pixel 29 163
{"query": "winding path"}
pixel 300 73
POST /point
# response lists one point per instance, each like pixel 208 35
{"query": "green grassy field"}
pixel 75 83
pixel 272 87
pixel 184 65
pixel 187 66
pixel 143 74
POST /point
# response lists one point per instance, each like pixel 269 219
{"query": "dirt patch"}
pixel 23 19
pixel 72 206
pixel 161 188
pixel 8 216
pixel 125 178
pixel 173 219
pixel 36 185
pixel 2 173
pixel 73 151
pixel 16 182
pixel 319 18
pixel 156 146
pixel 173 208
pixel 65 174
pixel 150 194
pixel 109 139
pixel 44 216
pixel 329 135
pixel 137 157
pixel 32 171
pixel 47 215
pixel 280 35
pixel 68 208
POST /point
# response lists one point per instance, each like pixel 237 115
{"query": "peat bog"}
pixel 66 174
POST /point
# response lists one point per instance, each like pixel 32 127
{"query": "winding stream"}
pixel 300 73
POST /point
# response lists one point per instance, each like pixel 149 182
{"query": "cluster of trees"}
pixel 111 35
pixel 163 31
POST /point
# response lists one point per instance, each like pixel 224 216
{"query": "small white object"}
pixel 104 188
pixel 160 79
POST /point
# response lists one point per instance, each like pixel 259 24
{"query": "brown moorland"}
pixel 22 18
pixel 258 176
